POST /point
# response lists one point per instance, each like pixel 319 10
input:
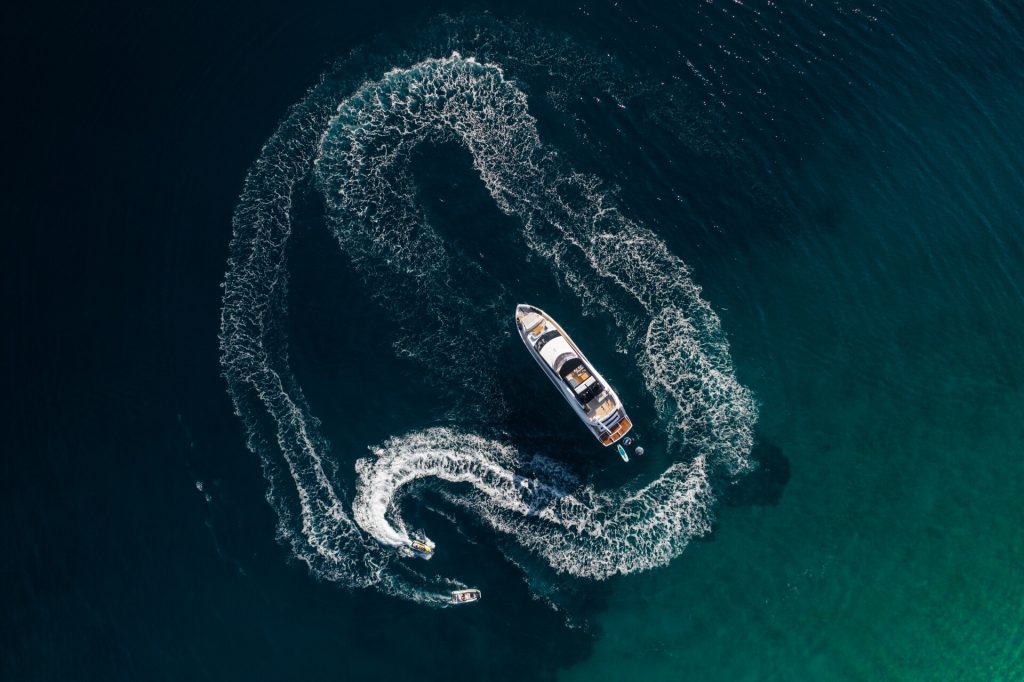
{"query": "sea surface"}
pixel 261 267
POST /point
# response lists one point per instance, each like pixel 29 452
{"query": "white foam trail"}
pixel 265 394
pixel 362 155
pixel 577 529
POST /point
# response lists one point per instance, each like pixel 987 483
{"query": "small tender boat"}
pixel 422 549
pixel 465 596
pixel 593 400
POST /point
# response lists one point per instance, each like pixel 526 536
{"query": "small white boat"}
pixel 465 596
pixel 590 396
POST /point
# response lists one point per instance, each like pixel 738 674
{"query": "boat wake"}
pixel 356 145
pixel 576 529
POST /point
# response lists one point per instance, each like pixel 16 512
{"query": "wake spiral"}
pixel 357 147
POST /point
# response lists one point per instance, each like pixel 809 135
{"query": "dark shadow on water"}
pixel 763 486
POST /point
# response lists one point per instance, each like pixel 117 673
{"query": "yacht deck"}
pixel 618 432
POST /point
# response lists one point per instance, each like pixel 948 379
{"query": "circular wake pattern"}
pixel 359 147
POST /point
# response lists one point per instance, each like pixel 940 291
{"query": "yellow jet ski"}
pixel 422 548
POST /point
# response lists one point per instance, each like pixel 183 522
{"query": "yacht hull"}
pixel 591 397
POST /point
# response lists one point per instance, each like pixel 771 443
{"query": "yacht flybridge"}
pixel 591 397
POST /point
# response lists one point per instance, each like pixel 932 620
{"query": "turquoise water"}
pixel 888 383
pixel 790 236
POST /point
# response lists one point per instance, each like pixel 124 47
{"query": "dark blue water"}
pixel 789 235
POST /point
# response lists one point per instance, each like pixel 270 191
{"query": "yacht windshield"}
pixel 568 367
pixel 543 340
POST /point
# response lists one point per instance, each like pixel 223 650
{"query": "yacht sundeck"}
pixel 563 362
pixel 465 596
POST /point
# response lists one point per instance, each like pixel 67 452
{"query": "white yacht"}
pixel 583 387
